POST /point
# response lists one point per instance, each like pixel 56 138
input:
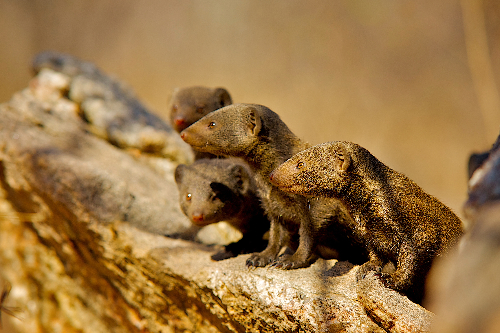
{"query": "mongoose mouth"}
pixel 291 188
pixel 192 140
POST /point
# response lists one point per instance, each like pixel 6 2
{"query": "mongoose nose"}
pixel 197 217
pixel 274 178
pixel 179 121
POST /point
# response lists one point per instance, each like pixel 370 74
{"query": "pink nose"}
pixel 197 217
pixel 271 176
pixel 179 122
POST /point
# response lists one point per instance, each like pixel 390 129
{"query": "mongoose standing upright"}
pixel 214 190
pixel 259 136
pixel 188 105
pixel 395 218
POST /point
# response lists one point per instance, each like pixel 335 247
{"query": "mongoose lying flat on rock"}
pixel 214 190
pixel 258 135
pixel 188 105
pixel 397 220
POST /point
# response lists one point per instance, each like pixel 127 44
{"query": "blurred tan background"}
pixel 412 81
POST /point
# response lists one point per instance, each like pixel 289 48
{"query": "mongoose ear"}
pixel 221 191
pixel 179 171
pixel 344 159
pixel 242 177
pixel 254 122
pixel 223 97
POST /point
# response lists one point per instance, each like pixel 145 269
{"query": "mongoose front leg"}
pixel 373 265
pixel 304 255
pixel 250 242
pixel 272 250
pixel 407 263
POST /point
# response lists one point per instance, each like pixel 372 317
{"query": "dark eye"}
pixel 188 197
pixel 300 165
pixel 212 124
pixel 200 109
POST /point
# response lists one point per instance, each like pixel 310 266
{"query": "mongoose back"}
pixel 394 217
pixel 258 135
pixel 188 105
pixel 214 190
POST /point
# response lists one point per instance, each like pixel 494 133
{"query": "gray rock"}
pixel 112 109
pixel 81 241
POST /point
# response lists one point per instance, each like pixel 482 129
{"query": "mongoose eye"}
pixel 200 108
pixel 300 165
pixel 212 124
pixel 188 197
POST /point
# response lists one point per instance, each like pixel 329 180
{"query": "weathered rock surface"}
pixel 82 224
pixel 464 289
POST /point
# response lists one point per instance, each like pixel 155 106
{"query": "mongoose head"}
pixel 322 170
pixel 188 105
pixel 230 131
pixel 211 192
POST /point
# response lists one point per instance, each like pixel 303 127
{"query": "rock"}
pixel 391 310
pixel 464 288
pixel 82 226
pixel 113 111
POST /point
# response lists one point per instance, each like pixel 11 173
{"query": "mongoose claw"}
pixel 282 265
pixel 366 268
pixel 387 280
pixel 256 260
pixel 287 262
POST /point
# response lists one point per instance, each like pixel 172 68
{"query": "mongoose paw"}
pixel 289 262
pixel 366 268
pixel 387 281
pixel 224 254
pixel 258 260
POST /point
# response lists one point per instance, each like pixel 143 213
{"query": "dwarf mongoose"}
pixel 188 105
pixel 214 190
pixel 394 217
pixel 258 135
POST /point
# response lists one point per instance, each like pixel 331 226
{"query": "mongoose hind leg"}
pixel 411 271
pixel 403 278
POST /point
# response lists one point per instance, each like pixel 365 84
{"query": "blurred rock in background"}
pixel 414 82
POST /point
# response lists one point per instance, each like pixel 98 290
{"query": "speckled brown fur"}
pixel 257 134
pixel 394 217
